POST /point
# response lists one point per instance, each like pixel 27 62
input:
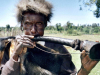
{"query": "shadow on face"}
pixel 34 24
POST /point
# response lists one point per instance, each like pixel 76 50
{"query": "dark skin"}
pixel 34 25
pixel 87 64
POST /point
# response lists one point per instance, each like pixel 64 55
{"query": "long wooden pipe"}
pixel 92 47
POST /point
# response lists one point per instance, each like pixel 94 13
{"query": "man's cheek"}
pixel 24 28
pixel 27 32
pixel 41 32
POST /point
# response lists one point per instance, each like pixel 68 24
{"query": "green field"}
pixel 76 57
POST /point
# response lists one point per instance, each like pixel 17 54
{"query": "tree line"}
pixel 70 28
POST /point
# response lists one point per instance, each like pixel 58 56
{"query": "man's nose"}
pixel 33 30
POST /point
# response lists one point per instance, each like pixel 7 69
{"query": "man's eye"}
pixel 27 23
pixel 39 23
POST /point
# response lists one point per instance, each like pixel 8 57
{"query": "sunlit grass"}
pixel 81 37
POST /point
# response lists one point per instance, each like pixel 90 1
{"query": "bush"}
pixel 69 31
pixel 73 32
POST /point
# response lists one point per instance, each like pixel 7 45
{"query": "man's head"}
pixel 34 15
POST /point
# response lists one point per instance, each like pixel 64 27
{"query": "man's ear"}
pixel 21 23
pixel 45 23
pixel 21 26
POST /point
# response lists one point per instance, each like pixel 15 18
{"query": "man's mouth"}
pixel 36 35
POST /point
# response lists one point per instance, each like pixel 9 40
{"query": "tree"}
pixel 90 3
pixel 8 27
pixel 50 28
pixel 97 11
pixel 86 30
pixel 68 26
pixel 59 28
pixel 96 29
pixel 94 25
pixel 80 28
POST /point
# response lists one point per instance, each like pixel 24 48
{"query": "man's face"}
pixel 34 24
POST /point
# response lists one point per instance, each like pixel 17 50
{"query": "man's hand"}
pixel 22 42
pixel 87 64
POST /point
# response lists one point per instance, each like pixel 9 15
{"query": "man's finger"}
pixel 28 36
pixel 27 45
pixel 24 40
pixel 24 36
pixel 83 54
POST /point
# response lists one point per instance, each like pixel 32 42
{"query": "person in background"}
pixel 22 57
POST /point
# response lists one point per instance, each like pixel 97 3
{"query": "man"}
pixel 28 57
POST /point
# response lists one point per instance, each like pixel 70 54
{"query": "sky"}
pixel 63 11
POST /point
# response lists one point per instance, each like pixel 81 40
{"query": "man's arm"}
pixel 87 64
pixel 11 67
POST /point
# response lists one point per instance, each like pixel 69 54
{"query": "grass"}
pixel 76 57
pixel 81 37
